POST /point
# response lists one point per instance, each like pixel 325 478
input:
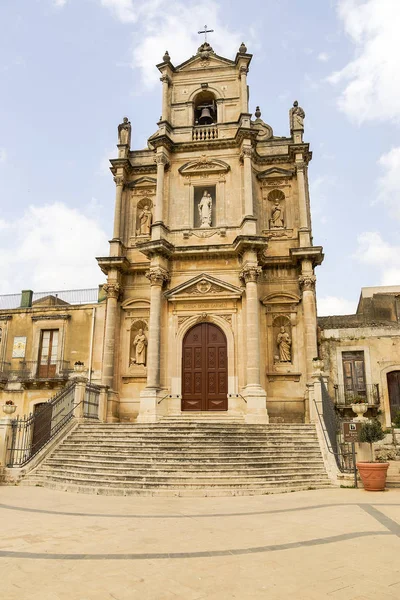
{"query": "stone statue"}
pixel 145 219
pixel 276 219
pixel 284 342
pixel 139 346
pixel 124 132
pixel 205 210
pixel 297 115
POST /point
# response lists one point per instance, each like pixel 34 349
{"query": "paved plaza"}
pixel 341 544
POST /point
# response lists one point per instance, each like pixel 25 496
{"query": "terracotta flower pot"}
pixel 373 475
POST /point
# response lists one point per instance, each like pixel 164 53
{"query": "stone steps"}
pixel 184 457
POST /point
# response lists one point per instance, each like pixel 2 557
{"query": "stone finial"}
pixel 166 57
pixel 242 48
pixel 257 112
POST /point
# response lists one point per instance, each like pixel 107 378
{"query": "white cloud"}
pixel 169 25
pixel 370 82
pixel 372 250
pixel 323 56
pixel 123 10
pixel 59 3
pixel 51 247
pixel 334 305
pixel 389 182
pixel 3 155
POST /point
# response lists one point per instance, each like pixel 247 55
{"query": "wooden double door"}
pixel 393 380
pixel 204 369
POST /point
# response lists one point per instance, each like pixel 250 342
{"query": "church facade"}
pixel 209 301
pixel 210 279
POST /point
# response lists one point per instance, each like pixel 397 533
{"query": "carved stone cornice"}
pixel 307 282
pixel 112 290
pixel 157 276
pixel 54 317
pixel 250 273
pixel 6 317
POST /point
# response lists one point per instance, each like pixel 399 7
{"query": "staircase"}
pixel 184 456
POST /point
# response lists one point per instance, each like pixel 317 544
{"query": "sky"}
pixel 71 69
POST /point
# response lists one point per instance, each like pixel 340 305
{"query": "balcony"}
pixel 205 133
pixel 345 397
pixel 4 373
pixel 33 374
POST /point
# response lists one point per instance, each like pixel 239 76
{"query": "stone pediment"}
pixel 145 181
pixel 204 60
pixel 280 298
pixel 204 165
pixel 275 172
pixel 204 286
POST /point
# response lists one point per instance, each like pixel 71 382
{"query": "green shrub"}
pixel 371 432
pixel 396 420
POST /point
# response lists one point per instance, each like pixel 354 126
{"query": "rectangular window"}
pixel 48 352
pixel 204 207
pixel 354 373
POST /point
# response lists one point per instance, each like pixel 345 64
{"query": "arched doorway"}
pixel 204 369
pixel 393 381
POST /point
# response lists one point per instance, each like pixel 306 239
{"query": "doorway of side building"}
pixel 393 381
pixel 42 425
pixel 204 369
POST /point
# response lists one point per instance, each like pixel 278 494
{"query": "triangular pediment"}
pixel 275 172
pixel 145 180
pixel 204 165
pixel 203 286
pixel 199 61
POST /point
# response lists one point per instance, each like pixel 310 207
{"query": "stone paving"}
pixel 341 544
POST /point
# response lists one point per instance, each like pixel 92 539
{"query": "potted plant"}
pixel 372 473
pixel 79 366
pixel 359 406
pixel 9 407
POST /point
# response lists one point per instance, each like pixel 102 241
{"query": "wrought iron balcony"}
pixel 345 397
pixel 33 370
pixel 4 372
pixel 204 133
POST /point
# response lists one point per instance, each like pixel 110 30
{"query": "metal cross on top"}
pixel 205 32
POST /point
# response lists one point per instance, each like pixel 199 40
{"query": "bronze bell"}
pixel 205 117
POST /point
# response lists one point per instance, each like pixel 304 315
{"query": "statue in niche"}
pixel 284 345
pixel 144 221
pixel 296 115
pixel 205 210
pixel 139 348
pixel 277 220
pixel 124 132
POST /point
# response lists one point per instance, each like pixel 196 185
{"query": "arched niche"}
pixel 144 217
pixel 138 343
pixel 276 210
pixel 283 340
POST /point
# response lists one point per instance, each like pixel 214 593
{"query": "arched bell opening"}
pixel 205 109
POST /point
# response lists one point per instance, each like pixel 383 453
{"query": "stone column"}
pixel 247 153
pixel 149 408
pixel 119 182
pixel 255 395
pixel 307 284
pixel 112 290
pixel 161 160
pixel 305 226
pixel 165 100
pixel 243 88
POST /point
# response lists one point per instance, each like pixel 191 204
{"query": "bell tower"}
pixel 212 238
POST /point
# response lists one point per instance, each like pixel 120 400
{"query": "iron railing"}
pixel 30 370
pixel 347 397
pixel 4 370
pixel 30 433
pixel 332 427
pixel 91 402
pixel 85 296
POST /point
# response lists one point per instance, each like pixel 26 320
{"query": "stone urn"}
pixel 359 409
pixel 9 409
pixel 79 368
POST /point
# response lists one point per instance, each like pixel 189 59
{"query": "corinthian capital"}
pixel 161 159
pixel 307 282
pixel 243 71
pixel 119 180
pixel 250 273
pixel 112 290
pixel 157 276
pixel 165 79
